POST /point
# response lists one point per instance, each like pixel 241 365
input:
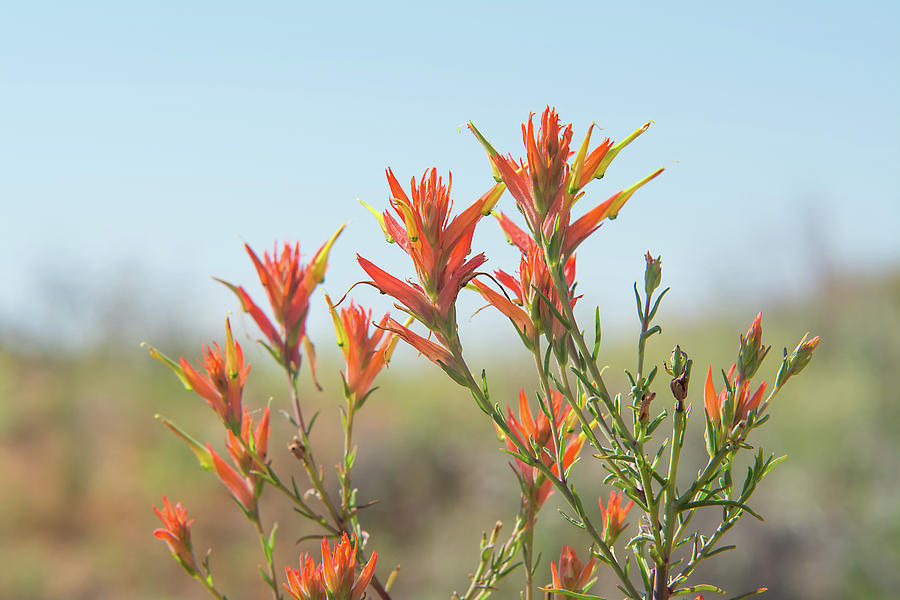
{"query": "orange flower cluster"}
pixel 221 382
pixel 363 355
pixel 538 430
pixel 739 390
pixel 176 533
pixel 289 285
pixel 570 574
pixel 334 578
pixel 614 516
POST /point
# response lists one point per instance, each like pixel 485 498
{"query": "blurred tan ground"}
pixel 82 459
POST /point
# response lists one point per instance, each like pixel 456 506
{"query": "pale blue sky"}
pixel 143 141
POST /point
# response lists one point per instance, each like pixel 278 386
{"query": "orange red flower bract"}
pixel 288 284
pixel 436 353
pixel 363 355
pixel 614 515
pixel 570 574
pixel 221 383
pixel 334 578
pixel 176 533
pixel 242 488
pixel 536 428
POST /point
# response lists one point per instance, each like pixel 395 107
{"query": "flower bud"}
pixel 752 351
pixel 177 534
pixel 570 574
pixel 653 273
pixel 797 360
pixel 614 516
pixel 679 363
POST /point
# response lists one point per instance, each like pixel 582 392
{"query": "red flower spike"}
pixel 437 246
pixel 242 488
pixel 363 355
pixel 547 186
pixel 288 284
pixel 536 428
pixel 176 533
pixel 221 383
pixel 570 574
pixel 614 515
pixel 334 579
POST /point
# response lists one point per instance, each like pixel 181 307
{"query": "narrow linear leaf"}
pixel 703 587
pixel 570 594
pixel 753 593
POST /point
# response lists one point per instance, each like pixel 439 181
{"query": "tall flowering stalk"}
pixel 545 186
pixel 652 555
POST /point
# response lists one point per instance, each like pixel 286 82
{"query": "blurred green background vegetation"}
pixel 82 459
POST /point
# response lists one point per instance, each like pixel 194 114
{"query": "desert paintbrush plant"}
pixel 644 532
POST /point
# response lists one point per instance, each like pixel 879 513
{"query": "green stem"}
pixel 315 476
pixel 710 471
pixel 558 447
pixel 640 458
pixel 346 487
pixel 528 549
pixel 670 495
pixel 209 587
pixel 562 291
pixel 586 427
pixel 491 570
pixel 727 524
pixel 273 581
